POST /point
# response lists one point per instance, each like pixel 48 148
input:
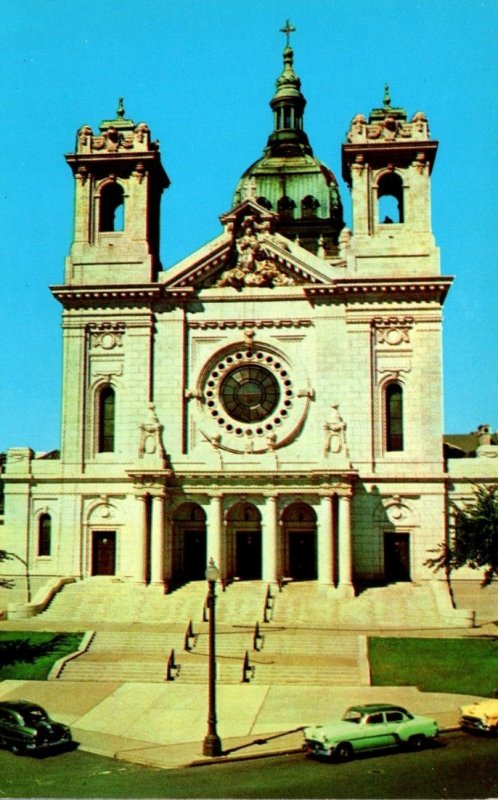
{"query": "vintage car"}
pixel 27 728
pixel 481 716
pixel 368 727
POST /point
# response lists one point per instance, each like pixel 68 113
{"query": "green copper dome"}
pixel 288 179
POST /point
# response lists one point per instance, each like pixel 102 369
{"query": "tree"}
pixel 5 583
pixel 8 583
pixel 474 543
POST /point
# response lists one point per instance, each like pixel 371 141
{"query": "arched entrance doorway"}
pixel 244 531
pixel 189 543
pixel 299 534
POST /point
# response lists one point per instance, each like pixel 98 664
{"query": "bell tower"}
pixel 387 162
pixel 119 180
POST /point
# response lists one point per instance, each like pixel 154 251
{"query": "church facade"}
pixel 273 401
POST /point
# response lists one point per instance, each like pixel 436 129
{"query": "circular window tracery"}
pixel 249 393
pixel 249 387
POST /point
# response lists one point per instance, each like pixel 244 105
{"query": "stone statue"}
pixel 335 427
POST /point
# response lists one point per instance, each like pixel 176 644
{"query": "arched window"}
pixel 390 198
pixel 44 535
pixel 111 208
pixel 309 206
pixel 106 421
pixel 285 208
pixel 394 417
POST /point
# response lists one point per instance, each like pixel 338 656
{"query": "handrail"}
pixel 247 669
pixel 268 604
pixel 258 638
pixel 190 638
pixel 172 668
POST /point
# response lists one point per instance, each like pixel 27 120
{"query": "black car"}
pixel 27 728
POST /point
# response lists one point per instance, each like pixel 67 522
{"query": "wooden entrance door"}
pixel 248 555
pixel 302 555
pixel 104 553
pixel 396 557
pixel 194 554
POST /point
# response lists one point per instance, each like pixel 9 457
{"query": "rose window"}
pixel 249 393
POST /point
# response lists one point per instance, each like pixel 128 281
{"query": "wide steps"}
pixel 228 644
pixel 110 600
pixel 395 606
pixel 195 671
pixel 306 676
pixel 143 642
pixel 120 671
pixel 304 641
pixel 242 603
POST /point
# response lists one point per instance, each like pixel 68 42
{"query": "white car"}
pixel 369 727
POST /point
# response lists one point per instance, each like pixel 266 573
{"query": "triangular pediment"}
pixel 248 254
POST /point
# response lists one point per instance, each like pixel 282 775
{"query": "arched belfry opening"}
pixel 111 217
pixel 300 542
pixel 189 543
pixel 244 538
pixel 390 198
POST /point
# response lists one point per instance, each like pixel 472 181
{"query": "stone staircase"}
pixel 299 635
pixel 110 600
pixel 399 606
pixel 311 657
pixel 396 606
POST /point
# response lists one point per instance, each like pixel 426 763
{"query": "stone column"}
pixel 326 541
pixel 214 533
pixel 270 540
pixel 157 541
pixel 345 582
pixel 168 550
pixel 141 565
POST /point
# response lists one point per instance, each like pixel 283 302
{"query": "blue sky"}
pixel 201 74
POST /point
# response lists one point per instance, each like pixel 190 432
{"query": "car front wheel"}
pixel 417 742
pixel 343 752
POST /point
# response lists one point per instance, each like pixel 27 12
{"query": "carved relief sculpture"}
pixel 254 265
pixel 150 442
pixel 335 436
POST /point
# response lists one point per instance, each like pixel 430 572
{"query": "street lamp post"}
pixel 212 742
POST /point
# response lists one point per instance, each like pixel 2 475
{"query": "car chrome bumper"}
pixel 40 746
pixel 475 724
pixel 312 748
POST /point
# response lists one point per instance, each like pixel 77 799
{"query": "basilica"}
pixel 274 400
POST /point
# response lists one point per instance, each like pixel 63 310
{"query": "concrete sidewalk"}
pixel 164 724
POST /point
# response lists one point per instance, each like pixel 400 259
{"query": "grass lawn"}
pixel 460 666
pixel 43 649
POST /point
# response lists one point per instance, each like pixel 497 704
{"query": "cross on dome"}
pixel 288 29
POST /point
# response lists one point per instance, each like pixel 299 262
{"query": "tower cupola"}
pixel 387 162
pixel 288 179
pixel 119 180
pixel 288 103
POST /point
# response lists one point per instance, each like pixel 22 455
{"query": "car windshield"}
pixel 32 716
pixel 352 715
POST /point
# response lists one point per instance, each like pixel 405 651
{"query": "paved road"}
pixel 458 766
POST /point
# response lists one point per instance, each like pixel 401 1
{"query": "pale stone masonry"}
pixel 273 401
